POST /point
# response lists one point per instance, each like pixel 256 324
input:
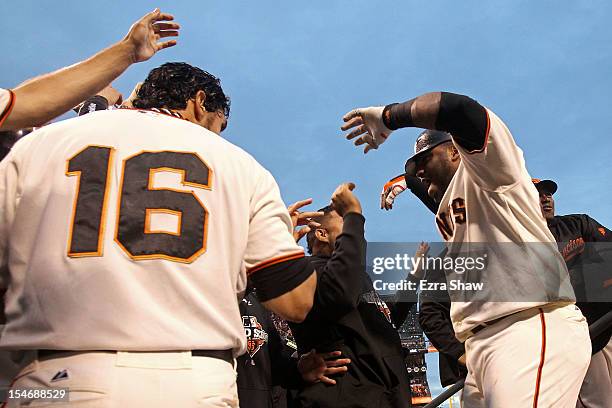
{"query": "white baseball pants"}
pixel 596 391
pixel 132 379
pixel 536 358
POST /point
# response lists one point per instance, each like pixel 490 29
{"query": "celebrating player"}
pixel 485 194
pixel 125 243
pixel 348 315
pixel 43 98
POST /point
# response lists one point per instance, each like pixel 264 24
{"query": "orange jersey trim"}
pixel 9 107
pixel 542 358
pixel 275 260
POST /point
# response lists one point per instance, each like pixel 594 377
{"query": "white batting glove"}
pixel 368 125
pixel 392 189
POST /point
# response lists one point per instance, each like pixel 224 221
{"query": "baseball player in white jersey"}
pixel 527 345
pixel 126 237
pixel 43 98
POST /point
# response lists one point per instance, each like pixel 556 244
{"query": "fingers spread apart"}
pixel 356 121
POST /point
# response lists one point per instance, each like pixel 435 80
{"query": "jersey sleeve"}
pixel 595 232
pixel 275 263
pixel 9 182
pixel 499 163
pixel 7 100
pixel 483 140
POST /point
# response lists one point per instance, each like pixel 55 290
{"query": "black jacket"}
pixel 348 315
pixel 589 265
pixel 267 365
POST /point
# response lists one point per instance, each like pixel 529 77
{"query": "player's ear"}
pixel 453 153
pixel 199 109
pixel 322 235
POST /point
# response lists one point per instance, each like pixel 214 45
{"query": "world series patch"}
pixel 255 334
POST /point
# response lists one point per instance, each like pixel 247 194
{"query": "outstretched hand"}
pixel 299 218
pixel 145 35
pixel 316 367
pixel 368 127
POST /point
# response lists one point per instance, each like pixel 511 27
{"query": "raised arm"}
pixel 43 98
pixel 459 115
pixel 484 143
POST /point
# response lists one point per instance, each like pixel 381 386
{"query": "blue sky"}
pixel 293 69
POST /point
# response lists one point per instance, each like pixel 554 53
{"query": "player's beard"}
pixel 442 180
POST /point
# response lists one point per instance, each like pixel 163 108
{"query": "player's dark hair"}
pixel 310 237
pixel 171 85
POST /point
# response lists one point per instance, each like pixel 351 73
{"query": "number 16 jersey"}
pixel 133 230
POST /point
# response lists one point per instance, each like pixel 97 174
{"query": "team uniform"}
pixel 132 231
pixel 266 370
pixel 7 100
pixel 526 342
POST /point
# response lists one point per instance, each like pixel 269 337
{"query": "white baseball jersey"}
pixel 491 200
pixel 7 99
pixel 133 230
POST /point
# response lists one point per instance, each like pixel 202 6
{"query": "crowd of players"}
pixel 340 347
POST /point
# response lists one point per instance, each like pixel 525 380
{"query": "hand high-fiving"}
pixel 344 201
pixel 145 34
pixel 299 218
pixel 367 123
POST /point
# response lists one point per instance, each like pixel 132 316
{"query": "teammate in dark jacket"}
pixel 352 319
pixel 575 234
pixel 590 273
pixel 266 369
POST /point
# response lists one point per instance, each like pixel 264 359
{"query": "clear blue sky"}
pixel 293 69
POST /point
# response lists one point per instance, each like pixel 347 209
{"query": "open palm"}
pixel 145 34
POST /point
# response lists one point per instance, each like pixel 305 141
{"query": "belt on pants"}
pixel 225 355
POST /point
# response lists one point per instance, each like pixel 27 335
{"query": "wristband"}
pixel 95 103
pixel 398 115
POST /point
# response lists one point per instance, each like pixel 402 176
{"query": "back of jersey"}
pixel 132 230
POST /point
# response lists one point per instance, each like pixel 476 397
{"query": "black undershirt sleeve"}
pixel 278 279
pixel 465 119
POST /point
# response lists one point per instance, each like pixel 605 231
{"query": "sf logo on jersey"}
pixel 452 215
pixel 256 336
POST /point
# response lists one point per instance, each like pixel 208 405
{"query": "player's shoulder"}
pixel 578 221
pixel 578 217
